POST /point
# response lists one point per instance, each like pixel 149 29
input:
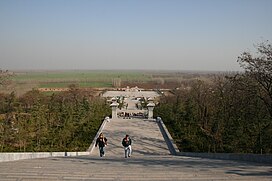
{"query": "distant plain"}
pixel 23 81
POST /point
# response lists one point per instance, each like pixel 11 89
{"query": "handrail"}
pixel 167 137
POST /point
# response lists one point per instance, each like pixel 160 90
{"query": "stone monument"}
pixel 150 107
pixel 114 106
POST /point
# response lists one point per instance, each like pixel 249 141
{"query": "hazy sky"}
pixel 131 34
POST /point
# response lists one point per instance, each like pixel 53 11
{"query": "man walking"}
pixel 127 146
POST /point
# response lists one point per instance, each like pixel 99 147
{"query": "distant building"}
pixel 116 82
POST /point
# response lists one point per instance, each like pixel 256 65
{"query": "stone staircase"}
pixel 145 134
pixel 136 168
pixel 151 160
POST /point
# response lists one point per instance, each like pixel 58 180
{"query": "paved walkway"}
pixel 137 168
pixel 145 134
pixel 131 94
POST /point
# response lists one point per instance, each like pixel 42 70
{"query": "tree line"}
pixel 231 113
pixel 66 121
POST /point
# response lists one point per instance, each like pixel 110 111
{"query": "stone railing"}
pixel 90 149
pixel 4 157
pixel 167 137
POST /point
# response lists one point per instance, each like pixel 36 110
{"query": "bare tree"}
pixel 4 77
pixel 259 69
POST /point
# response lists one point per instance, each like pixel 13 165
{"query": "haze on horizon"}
pixel 205 35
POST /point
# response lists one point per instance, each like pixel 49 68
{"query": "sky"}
pixel 206 35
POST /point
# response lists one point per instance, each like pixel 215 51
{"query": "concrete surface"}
pixel 145 134
pixel 144 167
pixel 258 158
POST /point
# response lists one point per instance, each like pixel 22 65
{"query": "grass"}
pixel 78 75
pixel 23 81
pixel 62 79
pixel 81 84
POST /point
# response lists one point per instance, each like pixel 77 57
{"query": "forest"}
pixel 66 121
pixel 231 114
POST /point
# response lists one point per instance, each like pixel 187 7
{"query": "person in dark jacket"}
pixel 101 141
pixel 127 146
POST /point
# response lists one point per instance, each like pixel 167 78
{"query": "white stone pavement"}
pixel 145 134
pixel 131 94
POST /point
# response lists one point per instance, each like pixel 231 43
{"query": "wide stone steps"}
pixel 151 160
pixel 135 168
pixel 145 134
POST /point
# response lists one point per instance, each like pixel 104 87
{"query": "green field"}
pixel 80 84
pixel 23 81
pixel 62 79
pixel 78 75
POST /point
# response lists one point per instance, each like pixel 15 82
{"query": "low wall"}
pixel 167 137
pixel 231 156
pixel 90 149
pixel 4 157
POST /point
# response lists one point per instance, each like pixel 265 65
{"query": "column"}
pixel 114 106
pixel 150 107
